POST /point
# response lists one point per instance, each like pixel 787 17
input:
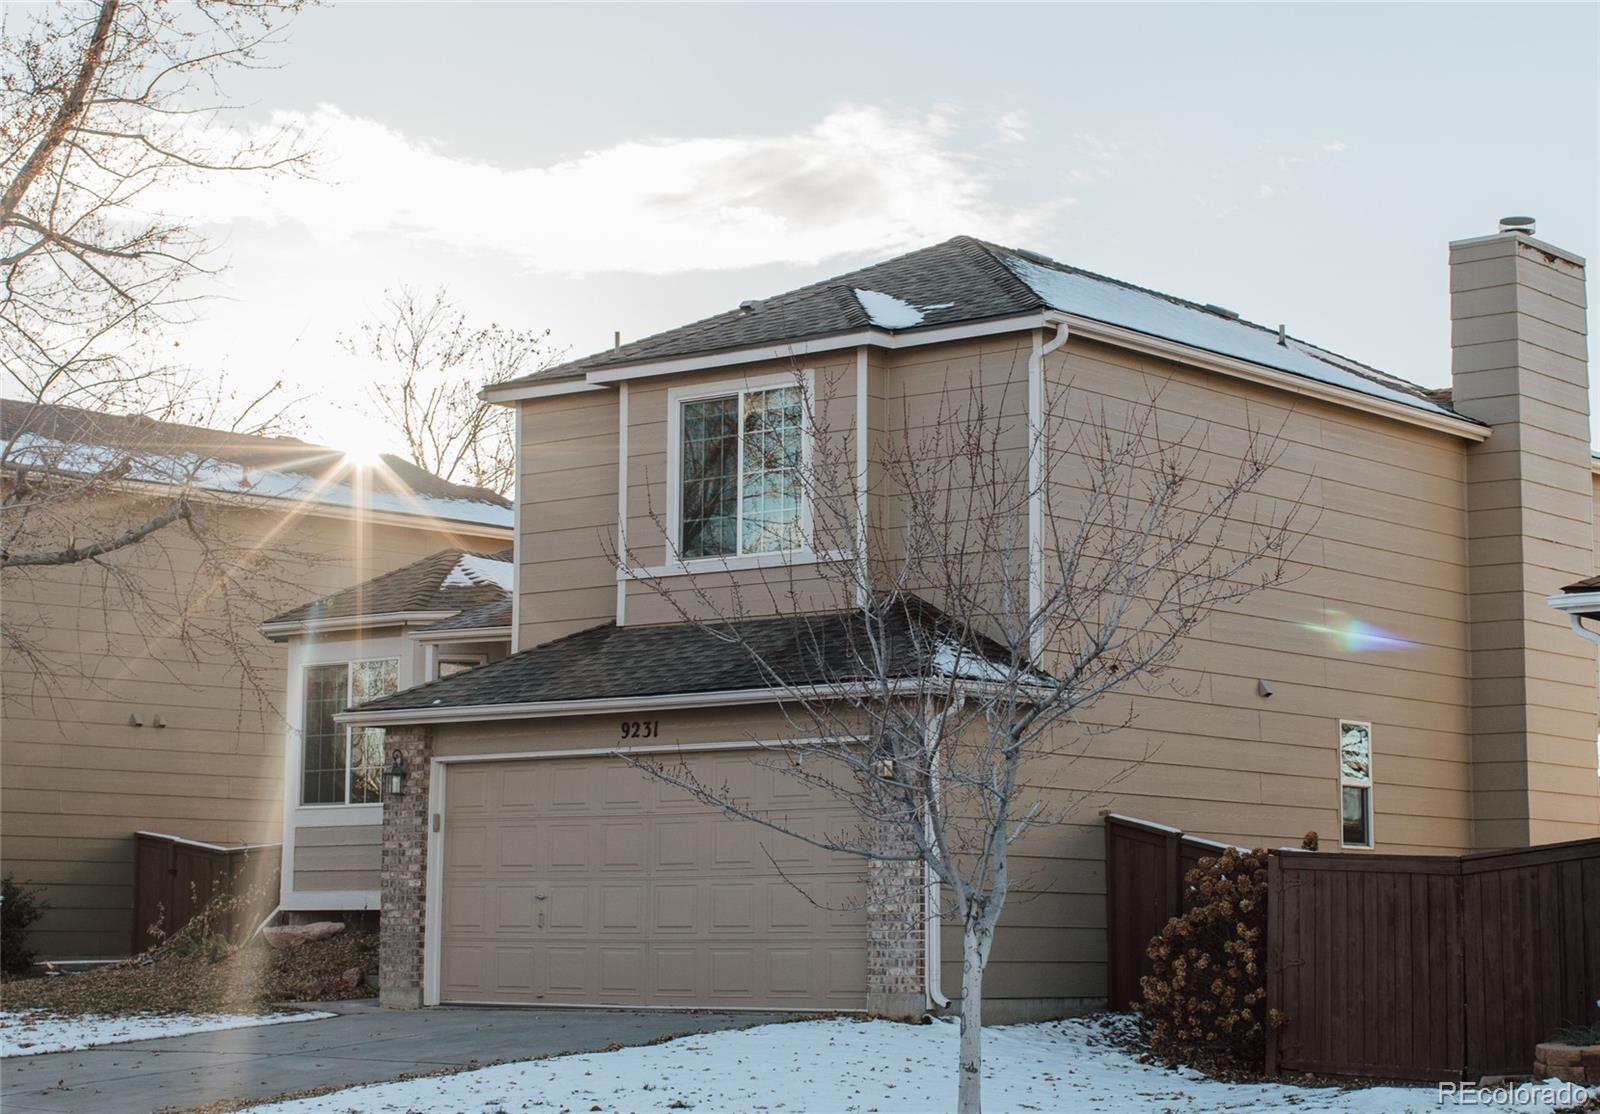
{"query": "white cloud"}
pixel 859 181
pixel 1335 146
pixel 1013 127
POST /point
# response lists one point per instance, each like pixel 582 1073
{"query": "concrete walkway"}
pixel 364 1044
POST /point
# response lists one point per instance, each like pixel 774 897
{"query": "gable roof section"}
pixel 74 441
pixel 611 663
pixel 964 281
pixel 450 581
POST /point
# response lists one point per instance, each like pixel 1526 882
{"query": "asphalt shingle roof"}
pixel 419 586
pixel 965 280
pixel 608 662
pixel 495 614
pixel 86 442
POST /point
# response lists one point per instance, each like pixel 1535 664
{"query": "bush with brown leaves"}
pixel 1206 1000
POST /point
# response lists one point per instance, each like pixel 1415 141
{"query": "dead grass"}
pixel 178 979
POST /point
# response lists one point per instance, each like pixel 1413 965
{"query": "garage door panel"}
pixel 622 844
pixel 569 847
pixel 587 882
pixel 569 784
pixel 677 846
pixel 568 908
pixel 677 909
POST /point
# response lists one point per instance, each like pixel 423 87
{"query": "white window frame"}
pixel 472 661
pixel 676 397
pixel 1356 783
pixel 349 665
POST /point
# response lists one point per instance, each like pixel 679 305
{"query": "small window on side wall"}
pixel 1355 783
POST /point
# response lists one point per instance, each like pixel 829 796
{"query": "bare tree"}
pixel 431 364
pixel 946 668
pixel 103 108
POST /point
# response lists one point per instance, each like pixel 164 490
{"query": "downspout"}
pixel 1036 401
pixel 1577 624
pixel 930 889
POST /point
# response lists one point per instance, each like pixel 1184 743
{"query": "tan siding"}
pixel 79 780
pixel 567 516
pixel 338 858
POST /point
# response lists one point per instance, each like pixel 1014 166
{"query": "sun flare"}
pixel 362 448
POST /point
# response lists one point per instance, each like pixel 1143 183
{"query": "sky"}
pixel 599 168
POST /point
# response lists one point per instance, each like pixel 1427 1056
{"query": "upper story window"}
pixel 1355 783
pixel 340 764
pixel 740 489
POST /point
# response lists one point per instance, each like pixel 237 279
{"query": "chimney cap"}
pixel 1523 225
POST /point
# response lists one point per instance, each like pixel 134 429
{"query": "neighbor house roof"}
pixel 611 663
pixel 964 281
pixel 73 441
pixel 451 583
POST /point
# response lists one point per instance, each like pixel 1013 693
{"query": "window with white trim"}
pixel 1355 783
pixel 739 474
pixel 451 664
pixel 339 764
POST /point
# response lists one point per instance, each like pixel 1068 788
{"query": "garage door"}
pixel 584 881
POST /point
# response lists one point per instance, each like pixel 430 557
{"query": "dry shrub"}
pixel 1206 1000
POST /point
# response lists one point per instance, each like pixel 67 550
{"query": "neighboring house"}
pixel 434 618
pixel 131 727
pixel 1409 691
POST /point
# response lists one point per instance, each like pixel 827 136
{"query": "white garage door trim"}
pixel 433 898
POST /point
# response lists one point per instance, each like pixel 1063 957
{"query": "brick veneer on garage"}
pixel 896 928
pixel 405 871
pixel 896 935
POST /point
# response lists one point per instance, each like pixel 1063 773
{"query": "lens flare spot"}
pixel 1353 636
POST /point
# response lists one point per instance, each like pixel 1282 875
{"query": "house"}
pixel 137 725
pixel 1411 690
pixel 431 619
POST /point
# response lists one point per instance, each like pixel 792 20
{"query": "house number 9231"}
pixel 641 728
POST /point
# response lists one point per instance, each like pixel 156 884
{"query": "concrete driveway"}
pixel 363 1044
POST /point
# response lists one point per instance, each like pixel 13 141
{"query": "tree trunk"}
pixel 973 953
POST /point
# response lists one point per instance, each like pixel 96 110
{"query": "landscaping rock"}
pixel 295 935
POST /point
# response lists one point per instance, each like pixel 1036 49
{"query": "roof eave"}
pixel 543 709
pixel 463 634
pixel 1129 339
pixel 279 631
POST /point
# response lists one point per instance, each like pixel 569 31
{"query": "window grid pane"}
pixel 369 680
pixel 770 503
pixel 322 741
pixel 710 477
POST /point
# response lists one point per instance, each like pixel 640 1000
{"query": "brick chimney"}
pixel 1519 362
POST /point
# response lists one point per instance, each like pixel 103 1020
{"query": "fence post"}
pixel 1274 955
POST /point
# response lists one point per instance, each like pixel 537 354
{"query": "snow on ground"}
pixel 844 1066
pixel 23 1034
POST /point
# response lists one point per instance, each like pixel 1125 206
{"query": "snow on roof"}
pixel 472 571
pixel 1147 312
pixel 339 485
pixel 887 311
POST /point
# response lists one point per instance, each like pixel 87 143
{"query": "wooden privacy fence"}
pixel 1430 967
pixel 174 878
pixel 1145 867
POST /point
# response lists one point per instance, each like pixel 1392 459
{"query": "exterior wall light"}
pixel 394 778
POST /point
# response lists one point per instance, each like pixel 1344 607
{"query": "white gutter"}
pixel 486 713
pixel 1576 605
pixel 355 622
pixel 1282 380
pixel 1114 335
pixel 463 634
pixel 511 393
